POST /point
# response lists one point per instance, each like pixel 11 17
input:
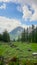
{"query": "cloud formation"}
pixel 28 9
pixel 34 16
pixel 27 14
pixel 9 24
pixel 30 13
pixel 3 6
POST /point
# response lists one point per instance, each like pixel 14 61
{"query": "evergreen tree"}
pixel 23 36
pixel 36 35
pixel 0 37
pixel 33 34
pixel 27 35
pixel 6 37
pixel 30 38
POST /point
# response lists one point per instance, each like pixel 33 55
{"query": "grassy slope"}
pixel 21 50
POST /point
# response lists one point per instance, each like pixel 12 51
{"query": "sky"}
pixel 14 13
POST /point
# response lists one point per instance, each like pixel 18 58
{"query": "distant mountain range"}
pixel 16 32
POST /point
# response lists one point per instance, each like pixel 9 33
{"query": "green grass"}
pixel 20 51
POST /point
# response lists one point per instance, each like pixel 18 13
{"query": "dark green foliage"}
pixel 36 35
pixel 6 37
pixel 23 36
pixel 0 37
pixel 33 33
pixel 1 60
pixel 14 61
pixel 29 37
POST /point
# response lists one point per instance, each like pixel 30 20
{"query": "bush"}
pixel 14 61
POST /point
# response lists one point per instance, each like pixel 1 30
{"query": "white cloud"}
pixel 21 1
pixel 26 13
pixel 4 0
pixel 25 26
pixel 9 24
pixel 19 8
pixel 34 16
pixel 3 6
pixel 8 0
pixel 24 9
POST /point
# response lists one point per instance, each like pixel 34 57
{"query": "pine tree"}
pixel 6 37
pixel 36 35
pixel 0 37
pixel 33 36
pixel 27 35
pixel 23 36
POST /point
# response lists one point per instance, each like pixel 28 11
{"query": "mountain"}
pixel 16 32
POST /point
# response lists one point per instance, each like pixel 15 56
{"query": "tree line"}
pixel 25 36
pixel 5 36
pixel 29 37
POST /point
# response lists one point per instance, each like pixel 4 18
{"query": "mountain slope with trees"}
pixel 29 37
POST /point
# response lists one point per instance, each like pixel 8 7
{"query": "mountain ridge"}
pixel 16 32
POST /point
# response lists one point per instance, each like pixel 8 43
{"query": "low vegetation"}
pixel 17 53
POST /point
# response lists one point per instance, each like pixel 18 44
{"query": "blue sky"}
pixel 17 13
pixel 11 11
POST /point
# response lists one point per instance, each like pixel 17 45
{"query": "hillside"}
pixel 16 32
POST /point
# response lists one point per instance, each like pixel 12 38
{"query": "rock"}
pixel 34 54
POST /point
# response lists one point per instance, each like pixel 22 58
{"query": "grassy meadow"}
pixel 24 51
